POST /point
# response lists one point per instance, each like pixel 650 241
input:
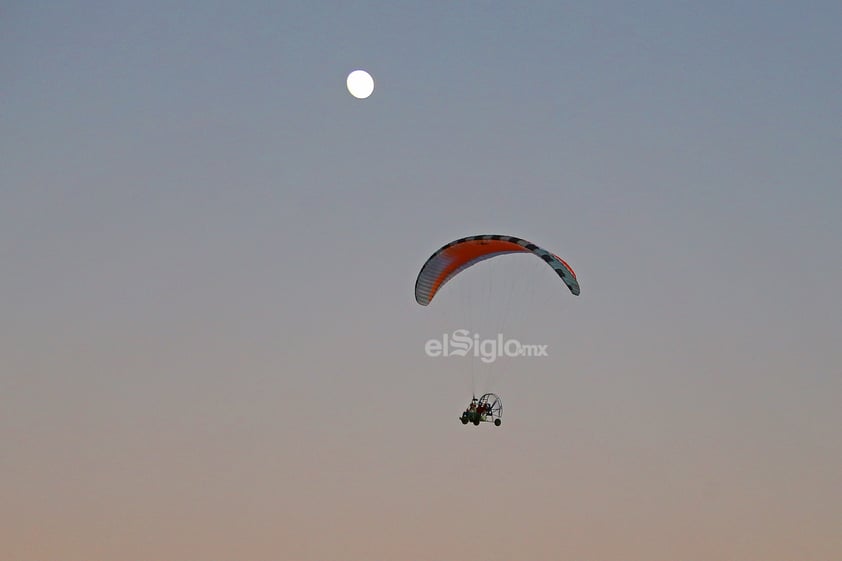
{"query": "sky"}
pixel 209 343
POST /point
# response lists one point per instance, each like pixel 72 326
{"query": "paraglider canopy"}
pixel 460 254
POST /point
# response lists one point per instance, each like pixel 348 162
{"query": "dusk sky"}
pixel 210 348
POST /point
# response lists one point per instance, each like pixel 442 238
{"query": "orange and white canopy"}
pixel 458 255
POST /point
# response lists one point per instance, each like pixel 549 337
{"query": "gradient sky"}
pixel 209 345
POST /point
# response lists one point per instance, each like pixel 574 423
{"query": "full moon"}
pixel 360 84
